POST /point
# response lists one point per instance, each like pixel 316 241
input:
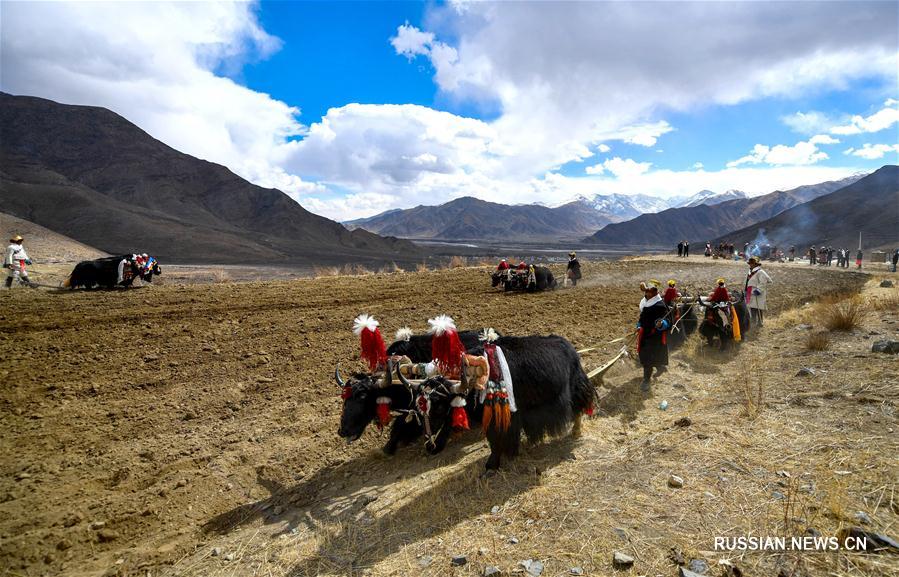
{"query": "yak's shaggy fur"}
pixel 551 390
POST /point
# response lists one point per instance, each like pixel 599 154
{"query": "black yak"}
pixel 106 272
pixel 550 388
pixel 362 391
pixel 711 327
pixel 541 280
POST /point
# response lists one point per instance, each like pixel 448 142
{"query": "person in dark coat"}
pixel 686 248
pixel 574 268
pixel 680 248
pixel 652 334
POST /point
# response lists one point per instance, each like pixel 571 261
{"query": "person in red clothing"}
pixel 503 265
pixel 522 266
pixel 720 295
pixel 671 293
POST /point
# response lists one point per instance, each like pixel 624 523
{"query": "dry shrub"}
pixel 887 302
pixel 320 271
pixel 355 269
pixel 220 276
pixel 456 262
pixel 845 315
pixel 390 268
pixel 817 341
pixel 421 267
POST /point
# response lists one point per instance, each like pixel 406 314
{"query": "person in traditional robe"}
pixel 652 334
pixel 757 282
pixel 574 268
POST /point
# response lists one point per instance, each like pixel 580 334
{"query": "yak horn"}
pixel 388 378
pixel 403 380
pixel 337 375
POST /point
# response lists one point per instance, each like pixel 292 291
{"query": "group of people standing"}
pixel 683 248
pixel 656 315
pixel 824 256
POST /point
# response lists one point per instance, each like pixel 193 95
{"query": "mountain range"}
pixel 704 222
pixel 89 174
pixel 869 206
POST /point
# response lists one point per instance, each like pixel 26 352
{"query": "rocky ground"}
pixel 191 430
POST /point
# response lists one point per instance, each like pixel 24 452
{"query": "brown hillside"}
pixel 92 175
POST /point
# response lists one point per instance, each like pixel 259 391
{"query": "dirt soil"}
pixel 192 430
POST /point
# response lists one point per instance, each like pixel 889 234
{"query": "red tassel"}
pixel 447 350
pixel 589 411
pixel 373 349
pixel 460 419
pixel 383 411
pixel 347 392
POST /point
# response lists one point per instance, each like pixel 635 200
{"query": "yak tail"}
pixel 67 283
pixel 487 417
pixel 504 418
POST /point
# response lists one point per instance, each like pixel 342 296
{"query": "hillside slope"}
pixel 90 174
pixel 704 222
pixel 469 218
pixel 43 245
pixel 869 206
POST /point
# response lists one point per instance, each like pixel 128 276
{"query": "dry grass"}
pixel 885 302
pixel 817 341
pixel 456 262
pixel 843 315
pixel 323 271
pixel 753 391
pixel 391 268
pixel 355 269
pixel 421 267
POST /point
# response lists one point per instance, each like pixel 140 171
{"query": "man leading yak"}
pixel 652 333
pixel 16 261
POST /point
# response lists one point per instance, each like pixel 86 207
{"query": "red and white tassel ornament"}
pixel 446 348
pixel 459 416
pixel 373 349
pixel 383 411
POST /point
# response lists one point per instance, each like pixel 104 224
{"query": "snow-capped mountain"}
pixel 711 198
pixel 626 206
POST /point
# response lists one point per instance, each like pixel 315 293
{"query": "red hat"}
pixel 446 348
pixel 373 349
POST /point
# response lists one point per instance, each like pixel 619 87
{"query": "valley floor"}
pixel 191 430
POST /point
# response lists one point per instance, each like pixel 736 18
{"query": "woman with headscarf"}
pixel 757 282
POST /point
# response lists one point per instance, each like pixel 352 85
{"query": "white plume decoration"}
pixel 363 322
pixel 488 334
pixel 441 324
pixel 404 334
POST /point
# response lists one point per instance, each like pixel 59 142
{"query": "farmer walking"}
pixel 15 262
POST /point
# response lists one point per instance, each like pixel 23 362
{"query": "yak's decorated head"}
pixel 441 407
pixel 497 277
pixel 149 268
pixel 366 398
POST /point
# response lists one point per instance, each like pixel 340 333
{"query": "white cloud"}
pixel 812 122
pixel 698 166
pixel 620 167
pixel 805 152
pixel 880 120
pixel 152 63
pixel 410 41
pixel 873 151
pixel 603 148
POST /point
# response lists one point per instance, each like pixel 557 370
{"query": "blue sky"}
pixel 353 108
